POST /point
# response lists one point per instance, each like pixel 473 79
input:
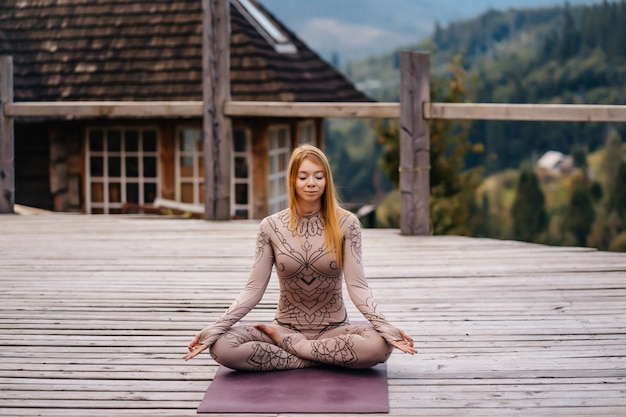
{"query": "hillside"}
pixel 546 55
pixel 549 55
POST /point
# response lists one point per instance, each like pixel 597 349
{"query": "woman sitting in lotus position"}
pixel 311 244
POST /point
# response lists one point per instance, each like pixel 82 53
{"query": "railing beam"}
pixel 414 144
pixel 526 112
pixel 459 111
pixel 7 139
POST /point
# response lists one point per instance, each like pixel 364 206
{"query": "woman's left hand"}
pixel 195 348
pixel 405 344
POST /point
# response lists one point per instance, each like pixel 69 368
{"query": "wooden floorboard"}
pixel 96 312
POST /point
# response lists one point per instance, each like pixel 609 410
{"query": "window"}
pixel 241 174
pixel 306 133
pixel 121 167
pixel 265 27
pixel 190 171
pixel 279 150
pixel 190 167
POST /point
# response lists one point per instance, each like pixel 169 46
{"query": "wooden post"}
pixel 215 93
pixel 414 144
pixel 7 145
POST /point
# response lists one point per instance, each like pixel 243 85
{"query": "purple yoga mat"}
pixel 310 390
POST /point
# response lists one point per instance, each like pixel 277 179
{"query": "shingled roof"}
pixel 65 50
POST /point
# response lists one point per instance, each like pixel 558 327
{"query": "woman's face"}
pixel 310 182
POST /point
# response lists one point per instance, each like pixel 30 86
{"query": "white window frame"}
pixel 235 208
pixel 278 197
pixel 307 133
pixel 106 205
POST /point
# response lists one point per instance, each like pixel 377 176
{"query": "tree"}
pixel 579 155
pixel 580 211
pixel 529 208
pixel 389 137
pixel 611 160
pixel 452 187
pixel 617 196
pixel 570 37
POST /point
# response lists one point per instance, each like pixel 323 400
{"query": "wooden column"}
pixel 414 144
pixel 215 93
pixel 7 145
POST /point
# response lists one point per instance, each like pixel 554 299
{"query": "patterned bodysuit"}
pixel 311 312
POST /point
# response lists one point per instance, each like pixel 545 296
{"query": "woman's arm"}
pixel 358 288
pixel 247 299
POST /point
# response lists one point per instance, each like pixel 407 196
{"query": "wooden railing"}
pixel 414 112
pixel 455 111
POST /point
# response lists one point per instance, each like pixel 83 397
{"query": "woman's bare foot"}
pixel 275 334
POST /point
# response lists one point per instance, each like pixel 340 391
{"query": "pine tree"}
pixel 580 211
pixel 570 36
pixel 611 160
pixel 617 196
pixel 529 208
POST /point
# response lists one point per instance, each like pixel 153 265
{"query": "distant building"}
pixel 555 163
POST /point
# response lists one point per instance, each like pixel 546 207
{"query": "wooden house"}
pixel 135 50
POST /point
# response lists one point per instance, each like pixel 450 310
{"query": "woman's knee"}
pixel 224 352
pixel 375 350
pixel 229 349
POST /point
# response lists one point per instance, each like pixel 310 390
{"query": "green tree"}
pixel 619 243
pixel 529 208
pixel 389 137
pixel 608 223
pixel 579 155
pixel 611 160
pixel 617 196
pixel 570 36
pixel 580 211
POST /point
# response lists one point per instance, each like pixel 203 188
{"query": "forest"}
pixel 484 178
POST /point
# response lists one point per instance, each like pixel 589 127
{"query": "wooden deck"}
pixel 96 312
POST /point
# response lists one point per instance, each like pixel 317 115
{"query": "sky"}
pixel 358 28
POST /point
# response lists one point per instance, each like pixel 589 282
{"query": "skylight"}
pixel 267 28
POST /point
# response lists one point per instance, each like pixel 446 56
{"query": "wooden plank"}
pixel 7 143
pixel 217 128
pixel 308 110
pixel 391 110
pixel 189 109
pixel 108 109
pixel 106 412
pixel 526 112
pixel 414 144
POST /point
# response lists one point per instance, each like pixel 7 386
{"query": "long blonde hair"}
pixel 330 205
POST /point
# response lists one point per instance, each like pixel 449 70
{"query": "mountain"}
pixel 345 30
pixel 560 54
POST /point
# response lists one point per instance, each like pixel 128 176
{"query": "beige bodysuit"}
pixel 311 312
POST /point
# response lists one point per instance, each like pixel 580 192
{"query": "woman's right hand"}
pixel 195 348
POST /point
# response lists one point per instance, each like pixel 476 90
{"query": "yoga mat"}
pixel 320 389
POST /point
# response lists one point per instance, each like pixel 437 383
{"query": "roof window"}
pixel 265 27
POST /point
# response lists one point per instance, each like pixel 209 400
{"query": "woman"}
pixel 311 243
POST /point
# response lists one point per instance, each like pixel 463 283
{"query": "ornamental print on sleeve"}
pixel 356 283
pixel 252 293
